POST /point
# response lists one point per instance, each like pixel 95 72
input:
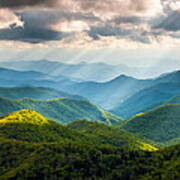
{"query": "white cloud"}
pixel 107 9
pixel 7 17
pixel 70 26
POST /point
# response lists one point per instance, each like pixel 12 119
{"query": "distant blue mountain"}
pixel 116 92
pixel 99 72
pixel 147 99
pixel 109 94
pixel 155 94
pixel 9 74
pixel 116 89
pixel 35 93
pixel 14 78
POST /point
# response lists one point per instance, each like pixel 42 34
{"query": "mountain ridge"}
pixel 147 97
pixel 38 125
pixel 160 124
pixel 62 110
pixel 41 93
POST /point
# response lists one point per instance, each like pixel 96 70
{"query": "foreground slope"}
pixel 67 159
pixel 161 124
pixel 62 110
pixel 71 160
pixel 115 136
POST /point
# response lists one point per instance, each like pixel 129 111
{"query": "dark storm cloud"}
pixel 107 31
pixel 48 17
pixel 37 25
pixel 31 35
pixel 35 29
pixel 96 32
pixel 22 3
pixel 130 19
pixel 103 17
pixel 140 38
pixel 171 23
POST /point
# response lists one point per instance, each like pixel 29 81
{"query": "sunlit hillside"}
pixel 32 126
pixel 161 124
pixel 62 110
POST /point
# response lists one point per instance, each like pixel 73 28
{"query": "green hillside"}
pixel 160 125
pixel 106 133
pixel 33 127
pixel 34 92
pixel 30 126
pixel 74 154
pixel 62 110
pixel 71 160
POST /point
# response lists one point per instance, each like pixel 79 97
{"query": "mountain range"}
pixel 41 93
pixel 108 94
pixel 82 71
pixel 122 92
pixel 99 72
pixel 10 74
pixel 14 78
pixel 62 110
pixel 147 99
pixel 123 89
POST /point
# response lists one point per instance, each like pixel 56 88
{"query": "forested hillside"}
pixel 161 124
pixel 52 151
pixel 62 110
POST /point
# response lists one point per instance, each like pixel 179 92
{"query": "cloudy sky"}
pixel 114 31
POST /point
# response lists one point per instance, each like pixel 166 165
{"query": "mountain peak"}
pixel 25 116
pixel 123 77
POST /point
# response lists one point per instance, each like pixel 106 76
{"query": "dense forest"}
pixel 33 147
